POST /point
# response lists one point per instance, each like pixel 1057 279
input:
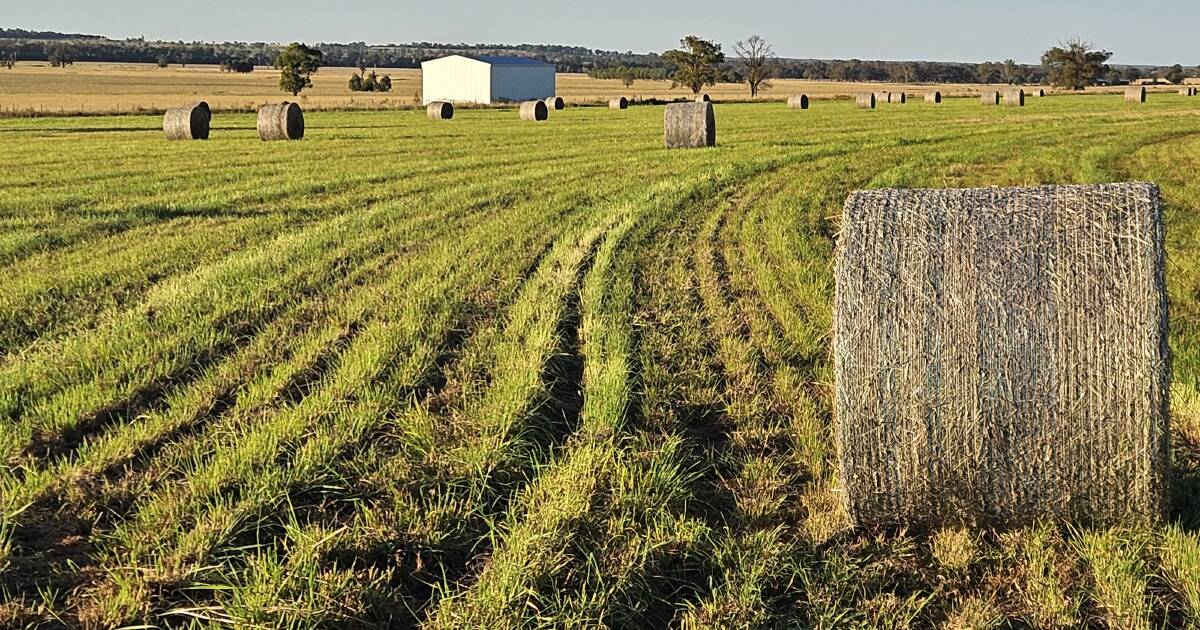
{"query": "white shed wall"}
pixel 456 79
pixel 522 83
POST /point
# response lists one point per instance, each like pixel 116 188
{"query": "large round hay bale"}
pixel 1038 92
pixel 897 97
pixel 865 100
pixel 440 110
pixel 280 121
pixel 556 103
pixel 690 125
pixel 618 103
pixel 703 98
pixel 990 97
pixel 1000 355
pixel 1183 91
pixel 798 101
pixel 881 97
pixel 1014 97
pixel 1135 94
pixel 188 123
pixel 535 111
pixel 933 96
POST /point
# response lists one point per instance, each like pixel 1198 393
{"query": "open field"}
pixel 122 88
pixel 486 373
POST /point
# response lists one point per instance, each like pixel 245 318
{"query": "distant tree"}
pixel 1011 73
pixel 370 82
pixel 61 56
pixel 1131 74
pixel 755 62
pixel 903 72
pixel 11 62
pixel 1174 74
pixel 296 65
pixel 384 85
pixel 627 78
pixel 356 83
pixel 988 72
pixel 362 65
pixel 237 64
pixel 697 64
pixel 1075 64
pixel 163 62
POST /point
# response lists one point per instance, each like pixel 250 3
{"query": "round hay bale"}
pixel 618 103
pixel 689 126
pixel 535 111
pixel 865 100
pixel 280 121
pixel 1185 91
pixel 556 103
pixel 881 97
pixel 897 97
pixel 188 123
pixel 1014 98
pixel 1135 94
pixel 1001 357
pixel 798 101
pixel 703 98
pixel 990 97
pixel 1039 92
pixel 933 96
pixel 440 110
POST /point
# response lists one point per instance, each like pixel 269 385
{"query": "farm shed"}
pixel 486 80
pixel 1001 355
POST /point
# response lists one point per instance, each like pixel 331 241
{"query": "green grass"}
pixel 493 373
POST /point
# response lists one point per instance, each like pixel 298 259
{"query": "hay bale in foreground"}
pixel 1014 98
pixel 1135 94
pixel 933 96
pixel 1001 355
pixel 690 126
pixel 798 101
pixel 556 103
pixel 618 103
pixel 188 123
pixel 280 121
pixel 990 97
pixel 534 110
pixel 866 100
pixel 440 110
pixel 703 98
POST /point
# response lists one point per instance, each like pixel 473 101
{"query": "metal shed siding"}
pixel 456 79
pixel 522 83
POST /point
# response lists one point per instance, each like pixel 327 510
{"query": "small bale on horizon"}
pixel 897 97
pixel 618 103
pixel 280 121
pixel 1135 94
pixel 798 101
pixel 933 96
pixel 689 126
pixel 990 97
pixel 1014 98
pixel 535 111
pixel 188 123
pixel 1001 356
pixel 440 110
pixel 1039 92
pixel 865 100
pixel 703 98
pixel 556 103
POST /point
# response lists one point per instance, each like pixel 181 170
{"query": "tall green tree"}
pixel 1075 64
pixel 697 63
pixel 296 64
pixel 1174 74
pixel 755 63
pixel 1011 72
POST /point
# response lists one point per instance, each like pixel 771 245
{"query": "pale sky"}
pixel 1151 32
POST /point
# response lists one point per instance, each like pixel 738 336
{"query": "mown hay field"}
pixel 490 373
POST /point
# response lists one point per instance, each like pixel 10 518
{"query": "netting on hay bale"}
pixel 280 121
pixel 689 126
pixel 188 123
pixel 1001 355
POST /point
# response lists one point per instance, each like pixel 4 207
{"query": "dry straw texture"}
pixel 618 103
pixel 1001 355
pixel 556 103
pixel 280 121
pixel 882 97
pixel 798 101
pixel 1014 98
pixel 188 123
pixel 933 96
pixel 440 110
pixel 534 110
pixel 690 126
pixel 866 100
pixel 990 97
pixel 897 97
pixel 1135 94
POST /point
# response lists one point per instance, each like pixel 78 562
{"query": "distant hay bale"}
pixel 1001 356
pixel 881 97
pixel 933 96
pixel 1038 92
pixel 440 110
pixel 865 100
pixel 897 97
pixel 618 103
pixel 188 123
pixel 690 126
pixel 798 101
pixel 535 111
pixel 990 97
pixel 556 103
pixel 280 121
pixel 1185 91
pixel 1135 94
pixel 703 98
pixel 1014 97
